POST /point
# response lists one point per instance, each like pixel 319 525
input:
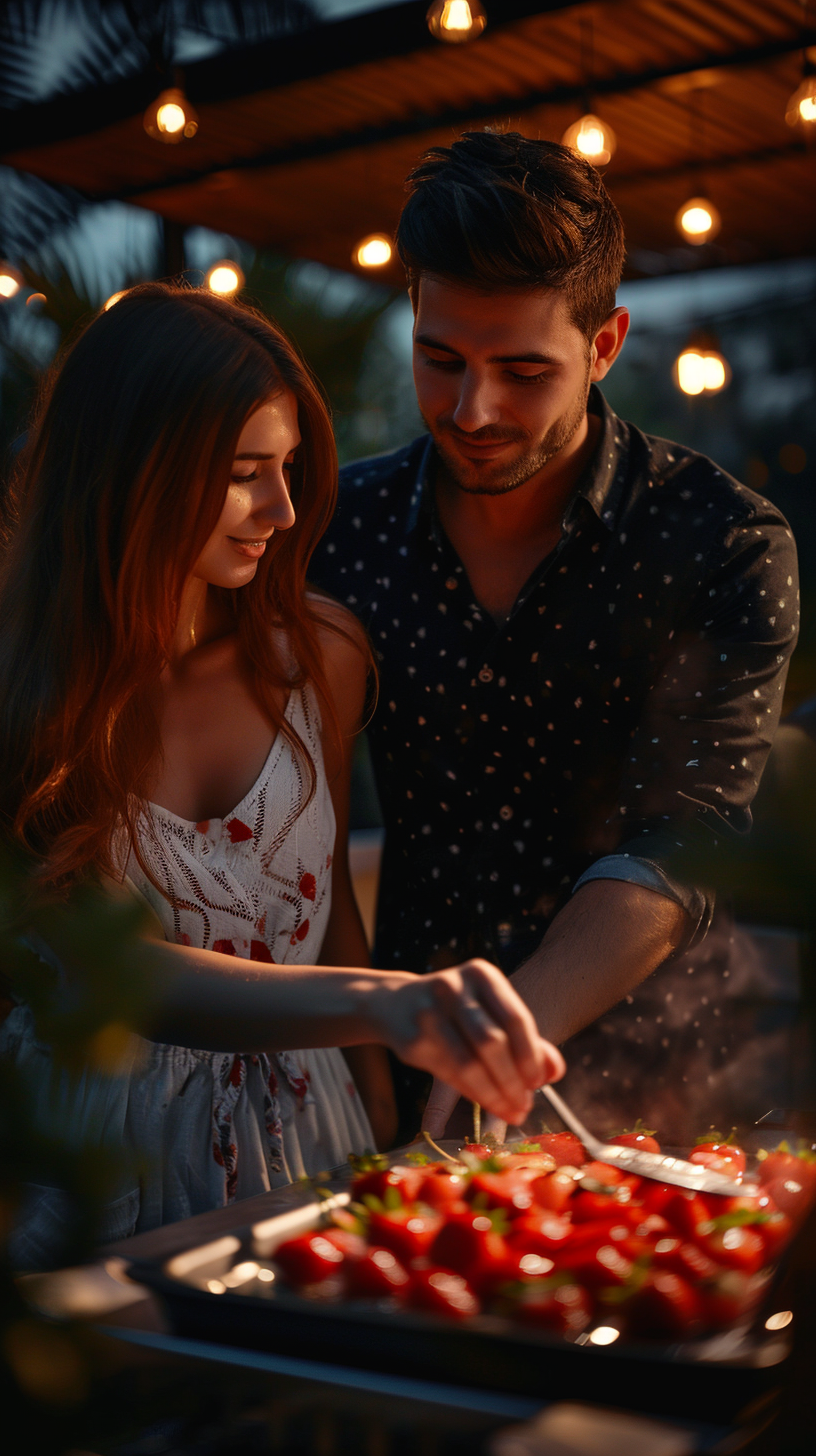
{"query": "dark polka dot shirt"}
pixel 625 707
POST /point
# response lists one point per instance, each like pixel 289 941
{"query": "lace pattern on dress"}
pixel 256 885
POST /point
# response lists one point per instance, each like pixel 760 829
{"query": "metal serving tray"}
pixel 225 1291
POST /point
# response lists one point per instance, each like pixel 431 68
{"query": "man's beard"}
pixel 501 479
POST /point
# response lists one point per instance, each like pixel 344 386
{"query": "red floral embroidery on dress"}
pixel 226 947
pixel 183 938
pixel 203 826
pixel 238 830
pixel 259 951
pixel 226 1093
pixel 351 1089
pixel 308 886
pixel 300 934
pixel 299 1086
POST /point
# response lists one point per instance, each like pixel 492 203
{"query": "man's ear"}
pixel 608 343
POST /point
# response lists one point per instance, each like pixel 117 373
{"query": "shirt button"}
pixel 451 583
pixel 486 674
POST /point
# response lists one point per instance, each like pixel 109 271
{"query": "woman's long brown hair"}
pixel 120 486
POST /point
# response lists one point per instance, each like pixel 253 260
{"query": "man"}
pixel 583 632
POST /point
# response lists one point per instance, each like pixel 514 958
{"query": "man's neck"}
pixel 500 539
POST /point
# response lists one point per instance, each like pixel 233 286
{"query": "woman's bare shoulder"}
pixel 338 629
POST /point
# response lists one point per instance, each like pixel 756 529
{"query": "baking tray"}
pixel 211 1292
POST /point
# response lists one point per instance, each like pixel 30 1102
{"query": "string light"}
pixel 592 139
pixel 698 220
pixel 701 368
pixel 11 281
pixel 225 278
pixel 455 21
pixel 373 252
pixel 171 118
pixel 802 105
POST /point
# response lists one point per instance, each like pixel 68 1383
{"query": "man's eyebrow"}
pixel 532 358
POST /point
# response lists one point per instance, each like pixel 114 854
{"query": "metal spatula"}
pixel 661 1166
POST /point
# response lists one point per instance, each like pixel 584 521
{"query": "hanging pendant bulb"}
pixel 592 139
pixel 698 220
pixel 11 281
pixel 373 252
pixel 801 110
pixel 701 368
pixel 225 278
pixel 171 118
pixel 455 21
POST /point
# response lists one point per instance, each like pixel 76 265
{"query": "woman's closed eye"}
pixel 245 471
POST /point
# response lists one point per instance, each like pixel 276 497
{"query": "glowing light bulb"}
pixel 701 369
pixel 591 138
pixel 713 379
pixel 801 109
pixel 10 281
pixel 698 220
pixel 456 20
pixel 604 1335
pixel 224 278
pixel 373 252
pixel 171 118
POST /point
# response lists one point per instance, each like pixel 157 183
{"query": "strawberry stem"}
pixel 437 1149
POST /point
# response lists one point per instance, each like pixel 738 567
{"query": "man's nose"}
pixel 478 403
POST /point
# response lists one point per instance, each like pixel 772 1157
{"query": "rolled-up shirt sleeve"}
pixel 697 755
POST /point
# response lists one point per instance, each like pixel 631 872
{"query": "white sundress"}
pixel 210 1127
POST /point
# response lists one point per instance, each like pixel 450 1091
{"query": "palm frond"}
pixel 55 47
pixel 32 211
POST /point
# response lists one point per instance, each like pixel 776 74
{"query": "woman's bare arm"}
pixel 465 1024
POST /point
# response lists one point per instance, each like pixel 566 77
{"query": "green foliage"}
pixel 88 1017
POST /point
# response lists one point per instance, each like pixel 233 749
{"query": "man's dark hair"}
pixel 500 211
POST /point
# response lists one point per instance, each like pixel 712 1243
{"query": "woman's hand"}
pixel 470 1028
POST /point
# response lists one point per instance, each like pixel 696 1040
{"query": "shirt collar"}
pixel 600 483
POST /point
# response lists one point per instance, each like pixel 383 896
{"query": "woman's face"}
pixel 257 502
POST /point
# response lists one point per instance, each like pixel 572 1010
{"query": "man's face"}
pixel 502 381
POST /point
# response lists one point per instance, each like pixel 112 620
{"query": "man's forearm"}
pixel 608 939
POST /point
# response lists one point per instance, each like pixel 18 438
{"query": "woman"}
pixel 177 712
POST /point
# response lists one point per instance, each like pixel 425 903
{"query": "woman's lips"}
pixel 252 549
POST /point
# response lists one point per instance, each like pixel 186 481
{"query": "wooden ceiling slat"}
pixel 310 165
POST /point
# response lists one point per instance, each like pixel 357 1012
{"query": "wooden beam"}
pixel 457 116
pixel 376 35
